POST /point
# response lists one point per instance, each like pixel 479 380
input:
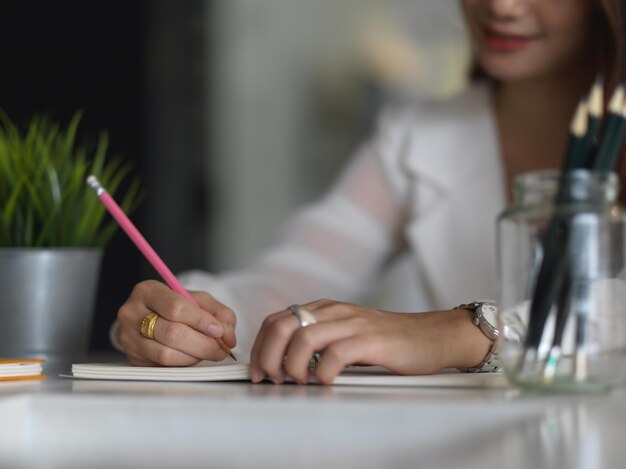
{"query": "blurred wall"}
pixel 296 85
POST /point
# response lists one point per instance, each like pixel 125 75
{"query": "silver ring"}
pixel 305 317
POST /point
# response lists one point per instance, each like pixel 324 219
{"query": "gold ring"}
pixel 305 317
pixel 147 325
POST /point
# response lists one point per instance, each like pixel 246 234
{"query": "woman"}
pixel 431 181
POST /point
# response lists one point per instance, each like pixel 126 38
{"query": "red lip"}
pixel 503 41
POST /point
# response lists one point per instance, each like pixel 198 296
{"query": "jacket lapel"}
pixel 457 180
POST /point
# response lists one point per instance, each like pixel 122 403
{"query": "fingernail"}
pixel 215 330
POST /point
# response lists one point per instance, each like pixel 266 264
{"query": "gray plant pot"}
pixel 47 299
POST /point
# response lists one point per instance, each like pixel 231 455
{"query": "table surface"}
pixel 69 423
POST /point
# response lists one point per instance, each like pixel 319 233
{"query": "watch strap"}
pixel 491 362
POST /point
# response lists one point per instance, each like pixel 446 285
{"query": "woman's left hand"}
pixel 406 343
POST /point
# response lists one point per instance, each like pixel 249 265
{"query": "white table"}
pixel 81 424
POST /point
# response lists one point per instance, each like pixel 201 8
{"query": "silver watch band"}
pixel 491 362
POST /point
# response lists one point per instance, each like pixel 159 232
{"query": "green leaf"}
pixel 70 135
pixel 55 186
pixel 44 199
pixel 35 199
pixel 9 209
pixel 99 157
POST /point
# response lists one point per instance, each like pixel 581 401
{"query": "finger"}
pixel 183 338
pixel 266 349
pixel 176 308
pixel 271 346
pixel 340 354
pixel 130 316
pixel 134 354
pixel 148 352
pixel 131 313
pixel 259 340
pixel 308 340
pixel 224 316
pixel 137 360
pixel 221 312
pixel 174 335
pixel 163 355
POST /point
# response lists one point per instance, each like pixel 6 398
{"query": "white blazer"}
pixel 429 183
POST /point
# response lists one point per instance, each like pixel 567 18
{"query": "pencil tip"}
pixel 617 99
pixel 596 98
pixel 579 123
pixel 232 355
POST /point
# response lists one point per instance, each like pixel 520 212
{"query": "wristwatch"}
pixel 485 318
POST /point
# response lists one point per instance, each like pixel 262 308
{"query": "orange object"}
pixel 14 369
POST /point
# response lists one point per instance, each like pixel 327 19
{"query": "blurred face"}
pixel 526 39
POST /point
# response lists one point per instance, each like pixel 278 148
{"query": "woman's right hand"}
pixel 184 333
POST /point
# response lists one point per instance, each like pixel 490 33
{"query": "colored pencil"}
pixel 554 263
pixel 557 271
pixel 605 157
pixel 145 248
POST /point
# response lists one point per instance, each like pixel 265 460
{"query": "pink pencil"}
pixel 143 246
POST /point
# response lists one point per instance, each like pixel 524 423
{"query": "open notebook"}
pixel 353 375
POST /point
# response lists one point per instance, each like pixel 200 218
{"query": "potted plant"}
pixel 52 234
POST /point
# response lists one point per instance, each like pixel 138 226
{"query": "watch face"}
pixel 490 313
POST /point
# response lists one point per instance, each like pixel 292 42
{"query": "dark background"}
pixel 136 69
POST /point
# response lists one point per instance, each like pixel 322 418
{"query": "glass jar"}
pixel 562 274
